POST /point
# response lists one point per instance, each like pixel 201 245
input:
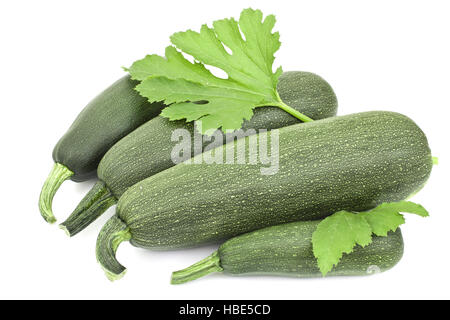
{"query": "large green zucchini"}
pixel 287 250
pixel 105 120
pixel 147 150
pixel 353 162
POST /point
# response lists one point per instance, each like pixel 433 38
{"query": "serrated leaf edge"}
pixel 329 268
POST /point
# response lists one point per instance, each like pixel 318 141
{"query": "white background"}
pixel 57 55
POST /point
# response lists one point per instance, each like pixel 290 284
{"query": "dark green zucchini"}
pixel 105 120
pixel 147 150
pixel 287 250
pixel 353 162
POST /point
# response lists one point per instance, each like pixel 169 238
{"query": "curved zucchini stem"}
pixel 292 111
pixel 57 176
pixel 200 269
pixel 93 205
pixel 113 233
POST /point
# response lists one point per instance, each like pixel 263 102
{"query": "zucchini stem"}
pixel 93 205
pixel 292 111
pixel 57 176
pixel 200 269
pixel 113 233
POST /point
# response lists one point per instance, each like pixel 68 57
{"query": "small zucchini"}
pixel 147 150
pixel 287 250
pixel 105 120
pixel 353 163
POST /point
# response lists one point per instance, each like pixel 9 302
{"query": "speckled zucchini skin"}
pixel 146 151
pixel 105 120
pixel 353 162
pixel 287 250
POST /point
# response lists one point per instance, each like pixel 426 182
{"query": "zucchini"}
pixel 287 250
pixel 105 120
pixel 353 162
pixel 147 150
